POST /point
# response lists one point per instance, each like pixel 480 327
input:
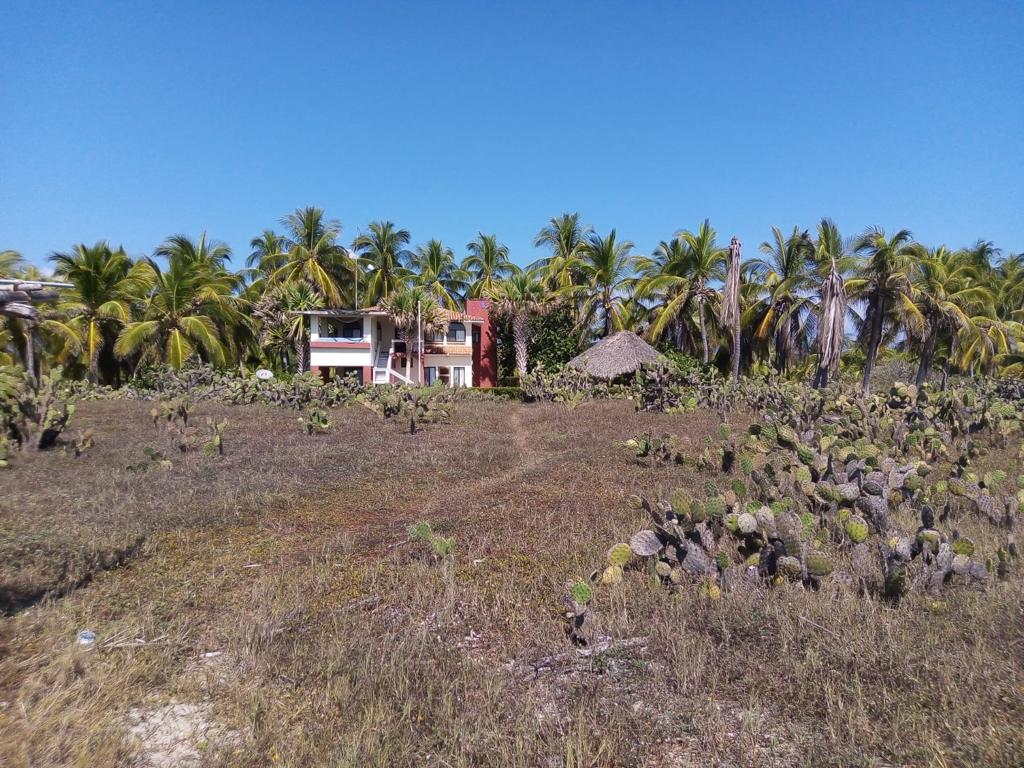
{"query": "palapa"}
pixel 621 353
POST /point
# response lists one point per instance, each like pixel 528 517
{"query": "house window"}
pixel 444 375
pixel 429 375
pixel 456 333
pixel 436 336
pixel 338 329
pixel 458 377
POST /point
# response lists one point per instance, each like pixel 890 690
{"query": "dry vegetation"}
pixel 284 618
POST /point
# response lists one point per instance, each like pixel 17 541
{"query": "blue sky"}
pixel 132 121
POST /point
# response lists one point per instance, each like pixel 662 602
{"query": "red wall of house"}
pixel 485 356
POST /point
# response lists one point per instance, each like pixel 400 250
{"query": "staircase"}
pixel 381 367
pixel 382 370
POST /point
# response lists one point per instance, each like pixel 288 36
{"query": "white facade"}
pixel 345 352
pixel 435 367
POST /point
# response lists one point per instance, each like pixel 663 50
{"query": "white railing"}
pixel 387 371
pixel 392 371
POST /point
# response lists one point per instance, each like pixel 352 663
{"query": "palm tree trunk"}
pixel 790 340
pixel 703 329
pixel 736 351
pixel 873 341
pixel 830 326
pixel 94 366
pixel 300 352
pixel 609 325
pixel 927 355
pixel 780 351
pixel 953 342
pixel 520 327
pixel 30 351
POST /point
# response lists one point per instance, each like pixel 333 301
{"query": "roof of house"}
pixel 451 316
pixel 622 352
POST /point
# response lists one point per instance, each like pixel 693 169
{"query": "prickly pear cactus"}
pixel 836 476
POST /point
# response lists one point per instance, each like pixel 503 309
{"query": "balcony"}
pixel 435 348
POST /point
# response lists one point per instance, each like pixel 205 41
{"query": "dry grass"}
pixel 338 642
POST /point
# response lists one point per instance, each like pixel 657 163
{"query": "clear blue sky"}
pixel 131 121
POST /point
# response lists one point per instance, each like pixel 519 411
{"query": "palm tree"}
pixel 785 273
pixel 213 255
pixel 184 309
pixel 313 254
pixel 486 264
pixel 606 267
pixel 99 303
pixel 1007 286
pixel 519 297
pixel 413 309
pixel 635 315
pixel 883 284
pixel 705 262
pixel 266 247
pixel 10 263
pixel 566 237
pixel 383 248
pixel 830 326
pixel 730 313
pixel 293 298
pixel 948 293
pixel 267 254
pixel 996 331
pixel 17 321
pixel 987 342
pixel 830 246
pixel 436 270
pixel 983 255
pixel 832 260
pixel 665 280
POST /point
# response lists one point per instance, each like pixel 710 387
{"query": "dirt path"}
pixel 530 458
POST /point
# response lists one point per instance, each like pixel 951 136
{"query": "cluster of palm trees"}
pixel 185 302
pixel 789 310
pixel 797 298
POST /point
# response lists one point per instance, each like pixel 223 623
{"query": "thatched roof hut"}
pixel 621 353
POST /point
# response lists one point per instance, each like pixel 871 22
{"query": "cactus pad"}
pixel 857 529
pixel 619 554
pixel 819 564
pixel 963 546
pixel 612 575
pixel 581 592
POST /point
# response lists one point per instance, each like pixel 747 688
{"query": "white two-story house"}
pixel 364 343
